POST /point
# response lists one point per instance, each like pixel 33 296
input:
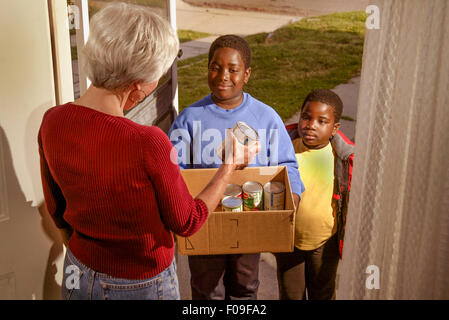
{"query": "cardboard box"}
pixel 241 232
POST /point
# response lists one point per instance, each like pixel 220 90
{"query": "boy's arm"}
pixel 286 157
pixel 296 200
pixel 296 183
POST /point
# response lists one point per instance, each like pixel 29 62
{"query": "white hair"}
pixel 128 43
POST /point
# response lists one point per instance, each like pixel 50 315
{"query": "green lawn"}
pixel 318 52
pixel 188 35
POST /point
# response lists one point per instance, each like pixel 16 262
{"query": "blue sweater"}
pixel 200 129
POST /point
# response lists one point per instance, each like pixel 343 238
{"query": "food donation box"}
pixel 228 232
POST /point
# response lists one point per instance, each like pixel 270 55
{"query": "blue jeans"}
pixel 82 283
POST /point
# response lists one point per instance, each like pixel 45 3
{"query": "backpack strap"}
pixel 292 130
pixel 344 152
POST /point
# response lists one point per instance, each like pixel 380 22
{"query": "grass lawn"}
pixel 319 52
pixel 188 35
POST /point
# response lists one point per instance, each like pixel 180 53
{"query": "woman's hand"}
pixel 237 154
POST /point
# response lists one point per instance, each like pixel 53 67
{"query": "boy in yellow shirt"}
pixel 325 158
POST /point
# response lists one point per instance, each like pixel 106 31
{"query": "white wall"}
pixel 30 250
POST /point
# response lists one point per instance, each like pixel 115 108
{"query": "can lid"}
pixel 231 202
pixel 252 186
pixel 274 187
pixel 248 130
pixel 232 189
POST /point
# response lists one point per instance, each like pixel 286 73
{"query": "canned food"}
pixel 252 193
pixel 233 204
pixel 233 190
pixel 274 195
pixel 244 134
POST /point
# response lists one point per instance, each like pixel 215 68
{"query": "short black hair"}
pixel 328 97
pixel 234 42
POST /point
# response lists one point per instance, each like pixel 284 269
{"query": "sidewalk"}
pixel 220 22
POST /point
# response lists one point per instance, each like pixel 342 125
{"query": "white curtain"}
pixel 398 219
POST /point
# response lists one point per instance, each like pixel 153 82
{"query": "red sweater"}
pixel 113 182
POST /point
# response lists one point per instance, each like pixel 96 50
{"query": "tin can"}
pixel 274 195
pixel 244 134
pixel 232 204
pixel 252 193
pixel 233 190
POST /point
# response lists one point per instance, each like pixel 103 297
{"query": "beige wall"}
pixel 30 250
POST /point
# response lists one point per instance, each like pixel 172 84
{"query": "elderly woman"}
pixel 109 183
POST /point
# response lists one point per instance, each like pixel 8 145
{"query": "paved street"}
pixel 291 7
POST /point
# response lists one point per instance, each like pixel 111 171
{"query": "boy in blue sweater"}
pixel 197 133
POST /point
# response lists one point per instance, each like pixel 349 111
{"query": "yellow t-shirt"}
pixel 315 218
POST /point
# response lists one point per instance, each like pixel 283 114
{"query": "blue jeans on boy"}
pixel 82 283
